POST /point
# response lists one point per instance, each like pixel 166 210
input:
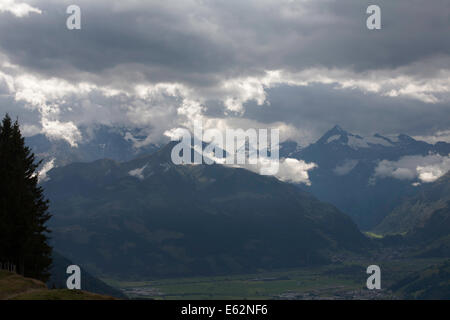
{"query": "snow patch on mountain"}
pixel 138 173
pixel 345 167
pixel 355 141
pixel 333 138
pixel 379 140
pixel 394 138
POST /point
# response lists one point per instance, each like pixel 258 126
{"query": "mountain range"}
pixel 114 197
pixel 99 142
pixel 346 172
pixel 149 217
pixel 345 175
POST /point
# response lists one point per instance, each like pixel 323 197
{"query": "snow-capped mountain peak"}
pixel 338 136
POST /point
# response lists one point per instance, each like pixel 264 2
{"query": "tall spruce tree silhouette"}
pixel 23 208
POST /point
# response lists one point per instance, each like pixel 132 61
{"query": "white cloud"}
pixel 19 9
pixel 285 169
pixel 295 171
pixel 423 168
pixel 289 170
pixel 432 172
pixel 67 131
pixel 49 165
pixel 239 91
pixel 439 136
pixel 234 93
pixel 400 82
pixel 174 134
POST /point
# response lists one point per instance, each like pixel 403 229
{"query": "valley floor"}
pixel 338 281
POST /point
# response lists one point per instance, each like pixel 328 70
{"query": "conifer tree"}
pixel 23 207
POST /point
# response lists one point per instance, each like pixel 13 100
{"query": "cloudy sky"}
pixel 298 65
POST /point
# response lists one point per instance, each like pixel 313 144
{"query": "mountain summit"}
pixel 337 135
pixel 334 134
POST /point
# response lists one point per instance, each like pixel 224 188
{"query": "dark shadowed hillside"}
pixel 421 212
pixel 424 219
pixel 150 218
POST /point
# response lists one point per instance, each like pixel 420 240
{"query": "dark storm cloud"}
pixel 203 41
pixel 153 42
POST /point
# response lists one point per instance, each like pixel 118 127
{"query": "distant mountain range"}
pixel 346 167
pixel 148 217
pixel 99 142
pixel 344 177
